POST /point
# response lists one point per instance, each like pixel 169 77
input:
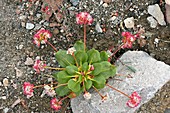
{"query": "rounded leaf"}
pixel 63 77
pixel 79 46
pixel 93 56
pixel 81 57
pixel 88 84
pixel 99 82
pixel 62 90
pixel 74 85
pixel 64 59
pixel 71 69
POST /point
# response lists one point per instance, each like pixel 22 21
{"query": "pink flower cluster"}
pixel 128 39
pixel 41 37
pixel 28 89
pixel 55 104
pixel 84 18
pixel 134 101
pixel 39 66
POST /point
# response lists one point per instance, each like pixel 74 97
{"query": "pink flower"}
pixel 84 18
pixel 28 89
pixel 71 50
pixel 41 37
pixel 87 95
pixel 55 104
pixel 134 101
pixel 39 66
pixel 128 39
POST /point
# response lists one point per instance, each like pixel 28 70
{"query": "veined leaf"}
pixel 62 90
pixel 79 46
pixel 64 59
pixel 74 85
pixel 93 56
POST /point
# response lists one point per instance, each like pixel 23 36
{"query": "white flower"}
pixel 71 50
pixel 87 95
pixel 49 91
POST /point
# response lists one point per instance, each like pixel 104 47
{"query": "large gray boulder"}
pixel 150 76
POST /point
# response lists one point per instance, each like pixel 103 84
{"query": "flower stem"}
pixel 52 46
pixel 54 68
pixel 64 98
pixel 118 91
pixel 117 50
pixel 98 92
pixel 84 37
pixel 75 60
pixel 44 85
pixel 60 85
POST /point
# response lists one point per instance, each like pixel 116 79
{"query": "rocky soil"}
pixel 17 52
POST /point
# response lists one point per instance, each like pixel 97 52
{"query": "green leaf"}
pixel 63 77
pixel 93 56
pixel 109 73
pixel 71 69
pixel 81 57
pixel 80 78
pixel 104 56
pixel 88 84
pixel 100 67
pixel 85 67
pixel 62 90
pixel 79 92
pixel 79 46
pixel 64 59
pixel 97 68
pixel 131 68
pixel 99 82
pixel 73 85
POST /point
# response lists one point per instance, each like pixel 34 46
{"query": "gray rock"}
pixel 152 21
pixel 150 76
pixel 156 12
pixel 29 26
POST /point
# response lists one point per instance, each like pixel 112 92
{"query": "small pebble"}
pixel 152 21
pixel 5 82
pixel 38 15
pixel 98 28
pixel 167 2
pixel 5 110
pixel 19 73
pixel 156 12
pixel 29 26
pixel 56 31
pixel 29 61
pixel 129 22
pixel 105 5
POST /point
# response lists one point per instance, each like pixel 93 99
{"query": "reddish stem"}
pixel 117 50
pixel 118 91
pixel 84 37
pixel 52 46
pixel 64 98
pixel 98 92
pixel 44 85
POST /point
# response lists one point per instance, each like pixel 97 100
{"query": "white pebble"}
pixel 5 82
pixel 29 26
pixel 129 22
